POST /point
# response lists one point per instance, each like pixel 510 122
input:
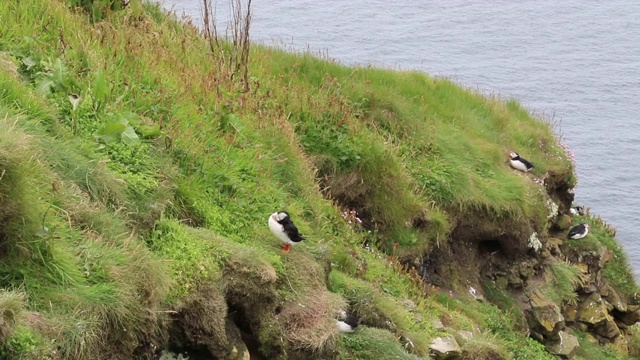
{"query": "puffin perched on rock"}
pixel 283 228
pixel 578 231
pixel 519 163
pixel 347 323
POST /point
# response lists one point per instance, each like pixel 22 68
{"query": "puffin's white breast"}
pixel 278 230
pixel 518 165
pixel 344 327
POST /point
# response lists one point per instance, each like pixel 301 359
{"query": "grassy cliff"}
pixel 137 172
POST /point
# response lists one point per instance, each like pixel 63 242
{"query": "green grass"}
pixel 589 349
pixel 565 277
pixel 371 343
pixel 148 198
pixel 483 346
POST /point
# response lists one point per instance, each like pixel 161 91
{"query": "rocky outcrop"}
pixel 598 309
pixel 445 348
pixel 565 347
pixel 593 312
pixel 543 316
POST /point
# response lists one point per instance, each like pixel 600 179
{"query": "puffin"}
pixel 577 210
pixel 578 231
pixel 283 228
pixel 519 163
pixel 347 322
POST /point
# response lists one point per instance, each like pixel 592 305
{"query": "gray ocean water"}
pixel 575 60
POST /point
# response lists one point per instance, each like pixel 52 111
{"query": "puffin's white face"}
pixel 513 155
pixel 586 226
pixel 281 215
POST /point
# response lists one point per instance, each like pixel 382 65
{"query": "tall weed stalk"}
pixel 231 50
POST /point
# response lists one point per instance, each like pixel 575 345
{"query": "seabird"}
pixel 283 228
pixel 347 322
pixel 519 163
pixel 577 210
pixel 578 231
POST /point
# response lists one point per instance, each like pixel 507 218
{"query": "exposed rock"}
pixel 631 316
pixel 565 347
pixel 526 269
pixel 594 260
pixel 437 324
pixel 544 316
pixel 621 343
pixel 553 245
pixel 445 348
pixel 593 312
pixel 607 304
pixel 588 288
pixel 237 355
pixel 466 335
pixel 502 282
pixel 563 222
pixel 514 280
pixel 611 295
pixel 417 317
pixel 408 304
pixel 608 329
pixel 570 312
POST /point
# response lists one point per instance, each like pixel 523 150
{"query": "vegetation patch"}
pixel 139 164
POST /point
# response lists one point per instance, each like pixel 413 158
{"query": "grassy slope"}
pixel 100 239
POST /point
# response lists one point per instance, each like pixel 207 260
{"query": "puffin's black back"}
pixel 291 230
pixel 526 163
pixel 578 229
pixel 352 321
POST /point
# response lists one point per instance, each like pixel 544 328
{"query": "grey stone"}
pixel 410 305
pixel 445 348
pixel 438 325
pixel 466 335
pixel 544 316
pixel 565 347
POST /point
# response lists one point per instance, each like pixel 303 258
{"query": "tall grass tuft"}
pixel 12 304
pixel 566 277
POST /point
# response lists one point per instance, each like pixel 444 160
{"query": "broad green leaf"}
pixel 28 62
pixel 149 131
pixel 235 121
pixel 110 132
pixel 44 84
pixel 132 118
pixel 129 136
pixel 101 89
pixel 59 72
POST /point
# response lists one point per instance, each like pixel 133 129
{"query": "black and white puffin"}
pixel 577 210
pixel 519 163
pixel 347 322
pixel 578 231
pixel 283 228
